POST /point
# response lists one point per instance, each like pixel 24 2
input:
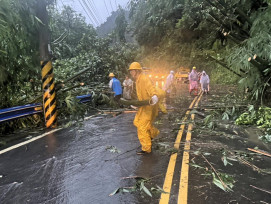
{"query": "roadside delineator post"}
pixel 49 94
pixel 48 84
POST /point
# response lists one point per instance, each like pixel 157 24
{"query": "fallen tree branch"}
pixel 261 189
pixel 225 186
pixel 259 152
pixel 247 198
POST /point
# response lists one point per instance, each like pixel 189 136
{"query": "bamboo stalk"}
pixel 212 4
pixel 255 64
pixel 227 27
pixel 225 15
pixel 260 60
pixel 259 152
pixel 224 65
pixel 239 11
pixel 232 38
pixel 67 80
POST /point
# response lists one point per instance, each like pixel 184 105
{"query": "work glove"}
pixel 154 100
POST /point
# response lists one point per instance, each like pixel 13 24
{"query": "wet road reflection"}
pixel 73 165
pixel 51 141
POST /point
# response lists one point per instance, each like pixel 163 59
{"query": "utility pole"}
pixel 48 83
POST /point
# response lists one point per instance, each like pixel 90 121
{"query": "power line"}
pixel 92 10
pixel 106 8
pixel 111 5
pixel 91 13
pixel 86 13
pixel 116 5
pixel 93 6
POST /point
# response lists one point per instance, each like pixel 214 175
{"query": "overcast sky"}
pixel 95 11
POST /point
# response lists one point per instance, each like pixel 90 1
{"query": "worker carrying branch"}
pixel 145 115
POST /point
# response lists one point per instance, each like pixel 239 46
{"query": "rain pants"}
pixel 146 114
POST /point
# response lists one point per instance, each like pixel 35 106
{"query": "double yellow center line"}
pixel 183 187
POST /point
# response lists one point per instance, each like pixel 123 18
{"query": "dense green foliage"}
pixel 207 34
pixel 75 46
pixel 260 117
pixel 228 39
pixel 18 50
pixel 81 50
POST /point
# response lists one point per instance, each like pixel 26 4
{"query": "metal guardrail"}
pixel 19 111
pixel 84 98
pixel 16 112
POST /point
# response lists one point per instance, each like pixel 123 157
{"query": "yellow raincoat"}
pixel 146 114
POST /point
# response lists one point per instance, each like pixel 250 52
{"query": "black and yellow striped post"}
pixel 49 94
pixel 48 84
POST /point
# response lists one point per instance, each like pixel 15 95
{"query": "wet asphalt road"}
pixel 75 165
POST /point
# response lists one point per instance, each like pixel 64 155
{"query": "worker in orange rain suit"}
pixel 145 90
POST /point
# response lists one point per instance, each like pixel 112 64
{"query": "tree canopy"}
pixel 233 35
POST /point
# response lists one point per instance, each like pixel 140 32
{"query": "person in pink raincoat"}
pixel 193 80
